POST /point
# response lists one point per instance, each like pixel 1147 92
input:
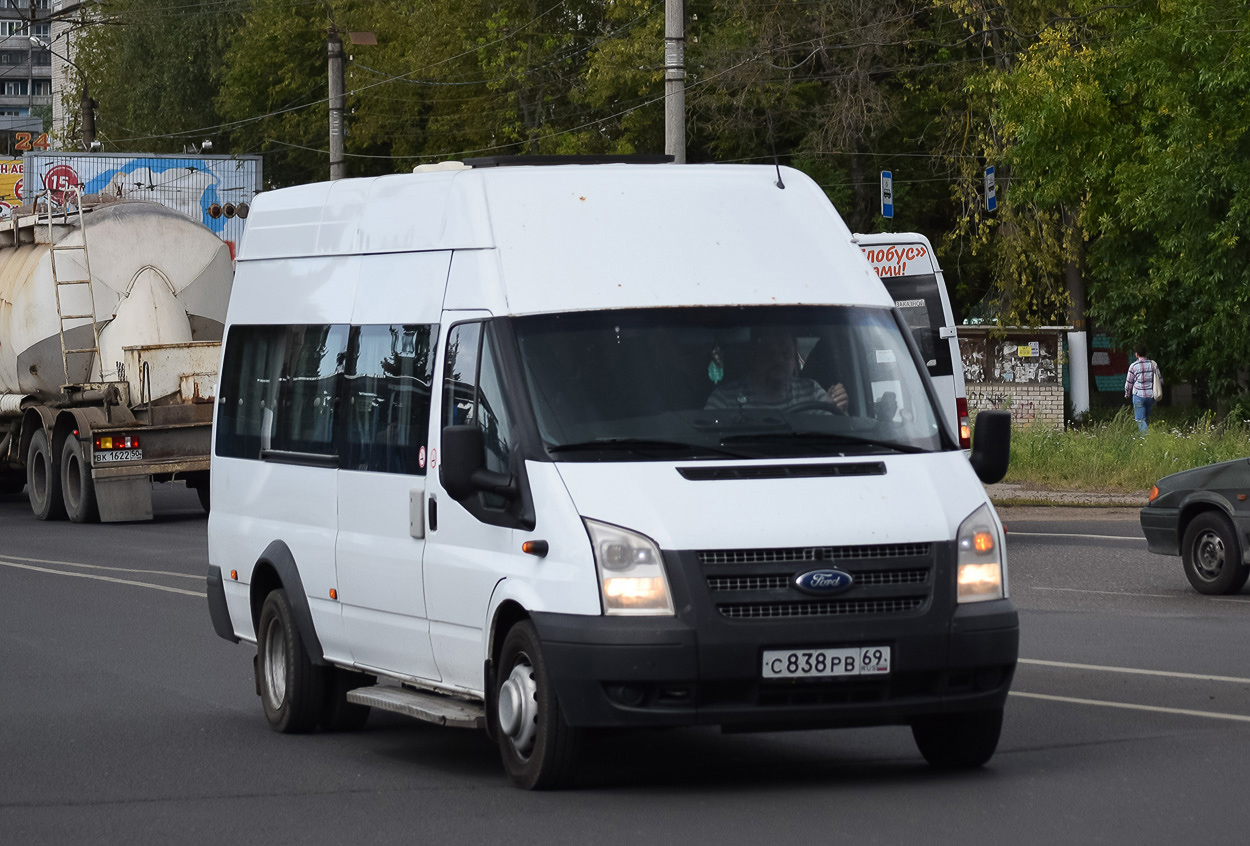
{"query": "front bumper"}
pixel 1161 526
pixel 611 671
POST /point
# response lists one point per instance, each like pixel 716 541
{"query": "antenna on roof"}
pixel 772 142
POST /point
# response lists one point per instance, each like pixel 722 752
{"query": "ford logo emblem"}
pixel 823 582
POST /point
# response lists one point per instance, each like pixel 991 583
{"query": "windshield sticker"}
pixel 885 357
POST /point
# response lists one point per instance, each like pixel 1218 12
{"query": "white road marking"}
pixel 1013 533
pixel 1101 668
pixel 102 578
pixel 100 567
pixel 1131 707
pixel 1103 592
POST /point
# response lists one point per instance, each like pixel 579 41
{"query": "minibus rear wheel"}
pixel 292 688
pixel 958 741
pixel 538 748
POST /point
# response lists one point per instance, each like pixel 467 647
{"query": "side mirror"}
pixel 463 469
pixel 991 446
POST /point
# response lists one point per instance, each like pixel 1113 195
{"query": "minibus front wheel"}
pixel 292 689
pixel 538 748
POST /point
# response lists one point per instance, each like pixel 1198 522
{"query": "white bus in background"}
pixel 907 265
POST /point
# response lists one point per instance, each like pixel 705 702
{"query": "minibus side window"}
pixel 386 412
pixel 473 395
pixel 248 389
pixel 308 389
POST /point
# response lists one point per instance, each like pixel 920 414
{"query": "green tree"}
pixel 153 68
pixel 1138 123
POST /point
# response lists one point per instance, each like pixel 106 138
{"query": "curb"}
pixel 1016 494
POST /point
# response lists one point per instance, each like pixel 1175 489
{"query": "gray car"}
pixel 1203 515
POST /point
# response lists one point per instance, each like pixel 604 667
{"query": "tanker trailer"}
pixel 110 330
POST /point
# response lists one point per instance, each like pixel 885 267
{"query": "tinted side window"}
pixel 247 396
pixel 387 398
pixel 305 389
pixel 308 389
pixel 473 394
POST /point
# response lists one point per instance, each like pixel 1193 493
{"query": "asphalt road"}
pixel 124 719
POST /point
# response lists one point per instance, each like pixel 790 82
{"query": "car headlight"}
pixel 981 561
pixel 631 571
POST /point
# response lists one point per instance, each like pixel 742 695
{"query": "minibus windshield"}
pixel 725 382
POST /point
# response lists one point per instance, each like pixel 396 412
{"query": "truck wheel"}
pixel 292 688
pixel 958 741
pixel 339 714
pixel 539 749
pixel 77 487
pixel 1212 555
pixel 43 479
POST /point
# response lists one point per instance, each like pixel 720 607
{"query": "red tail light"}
pixel 965 427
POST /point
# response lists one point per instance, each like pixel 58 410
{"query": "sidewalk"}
pixel 1005 493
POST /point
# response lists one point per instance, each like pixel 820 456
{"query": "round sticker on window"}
pixel 421 457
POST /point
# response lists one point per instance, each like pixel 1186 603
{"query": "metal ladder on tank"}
pixel 75 197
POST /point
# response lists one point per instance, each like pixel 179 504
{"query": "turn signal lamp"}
pixel 1154 493
pixel 981 559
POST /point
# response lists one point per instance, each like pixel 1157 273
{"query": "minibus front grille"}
pixel 813 554
pixel 721 584
pixel 826 608
pixel 765 584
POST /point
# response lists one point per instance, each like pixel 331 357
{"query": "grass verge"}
pixel 1111 455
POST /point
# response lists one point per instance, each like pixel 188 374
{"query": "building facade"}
pixel 25 60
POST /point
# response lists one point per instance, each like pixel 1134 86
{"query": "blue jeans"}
pixel 1141 410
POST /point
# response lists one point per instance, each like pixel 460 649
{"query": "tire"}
pixel 538 748
pixel 958 741
pixel 1211 554
pixel 337 714
pixel 77 487
pixel 43 479
pixel 292 688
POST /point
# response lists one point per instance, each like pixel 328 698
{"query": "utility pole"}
pixel 675 80
pixel 337 100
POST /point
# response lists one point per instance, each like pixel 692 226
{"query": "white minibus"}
pixel 539 447
pixel 907 265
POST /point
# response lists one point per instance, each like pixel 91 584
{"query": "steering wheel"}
pixel 816 405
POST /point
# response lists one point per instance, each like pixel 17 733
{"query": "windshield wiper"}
pixel 644 445
pixel 818 439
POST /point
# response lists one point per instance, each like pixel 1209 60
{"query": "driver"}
pixel 772 381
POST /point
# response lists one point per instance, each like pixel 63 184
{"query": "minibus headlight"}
pixel 981 562
pixel 631 571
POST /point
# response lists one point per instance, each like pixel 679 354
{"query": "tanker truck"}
pixel 111 321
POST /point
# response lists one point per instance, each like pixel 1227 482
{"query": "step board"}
pixel 429 707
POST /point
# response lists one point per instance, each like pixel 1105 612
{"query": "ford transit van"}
pixel 535 449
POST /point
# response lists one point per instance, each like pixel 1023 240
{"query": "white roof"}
pixel 569 237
